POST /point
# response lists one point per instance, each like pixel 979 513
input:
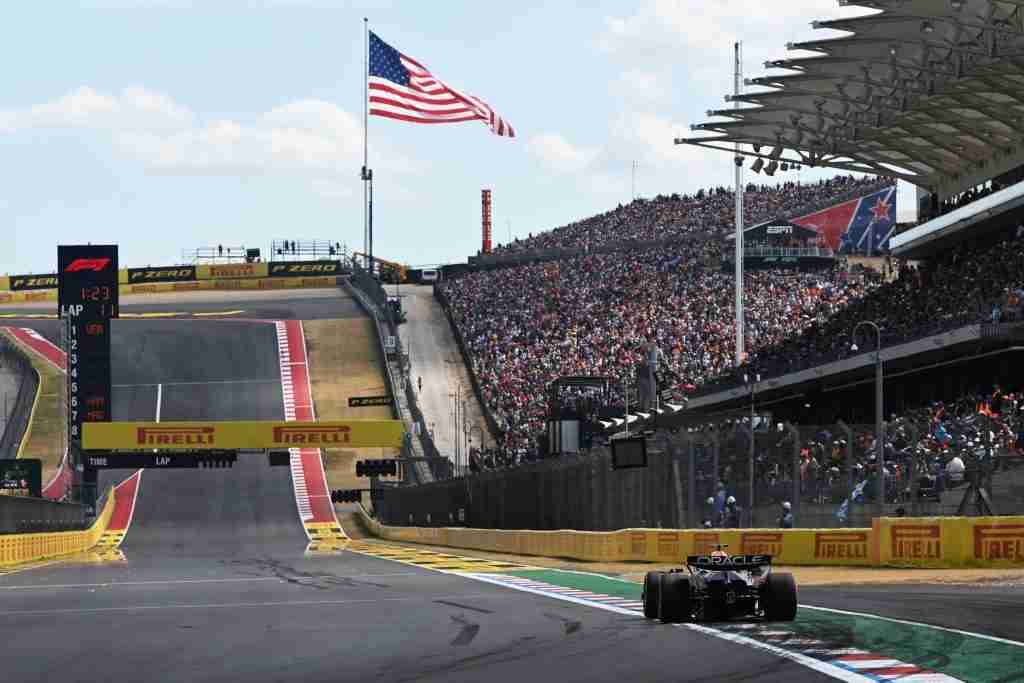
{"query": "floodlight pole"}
pixel 739 217
pixel 879 413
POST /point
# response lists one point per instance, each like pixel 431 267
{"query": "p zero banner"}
pixel 20 283
pixel 231 270
pixel 304 268
pixel 141 276
pixel 187 436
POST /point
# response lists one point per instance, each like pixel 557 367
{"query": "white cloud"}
pixel 641 85
pixel 134 108
pixel 559 155
pixel 698 36
pixel 310 137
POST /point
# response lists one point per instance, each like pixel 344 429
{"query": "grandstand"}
pixel 918 91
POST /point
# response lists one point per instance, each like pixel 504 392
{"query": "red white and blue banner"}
pixel 859 226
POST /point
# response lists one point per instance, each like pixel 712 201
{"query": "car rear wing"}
pixel 729 563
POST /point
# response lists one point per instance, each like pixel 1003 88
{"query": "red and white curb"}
pixel 846 664
pixel 309 481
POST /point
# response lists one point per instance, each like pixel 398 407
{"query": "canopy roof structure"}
pixel 931 91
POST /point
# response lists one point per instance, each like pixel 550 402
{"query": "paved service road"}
pixel 216 585
pixel 434 355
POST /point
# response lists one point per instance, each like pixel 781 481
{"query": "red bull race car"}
pixel 720 587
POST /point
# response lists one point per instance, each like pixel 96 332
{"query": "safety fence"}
pixel 18 549
pixel 722 477
pixel 941 542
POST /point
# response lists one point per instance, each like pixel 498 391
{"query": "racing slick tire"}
pixel 674 598
pixel 650 596
pixel 779 596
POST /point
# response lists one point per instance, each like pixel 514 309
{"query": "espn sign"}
pixel 916 542
pixel 175 436
pixel 761 543
pixel 779 230
pixel 999 542
pixel 312 435
pixel 844 545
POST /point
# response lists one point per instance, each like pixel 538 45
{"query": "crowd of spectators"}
pixel 927 450
pixel 963 285
pixel 525 326
pixel 706 211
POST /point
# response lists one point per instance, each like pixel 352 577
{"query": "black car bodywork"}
pixel 720 588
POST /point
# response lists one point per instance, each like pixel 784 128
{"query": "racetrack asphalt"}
pixel 298 304
pixel 216 585
pixel 993 610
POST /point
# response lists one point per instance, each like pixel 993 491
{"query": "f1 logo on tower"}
pixel 96 265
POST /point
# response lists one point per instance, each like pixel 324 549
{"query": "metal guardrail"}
pixel 397 380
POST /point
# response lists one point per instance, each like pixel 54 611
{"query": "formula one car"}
pixel 720 587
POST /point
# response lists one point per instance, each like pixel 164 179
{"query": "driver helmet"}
pixel 786 505
pixel 731 500
pixel 711 500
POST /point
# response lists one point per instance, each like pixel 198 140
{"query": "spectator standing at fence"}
pixel 786 520
pixel 731 514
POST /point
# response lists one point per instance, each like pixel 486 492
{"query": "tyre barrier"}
pixel 894 542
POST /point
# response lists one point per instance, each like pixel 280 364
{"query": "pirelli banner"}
pixel 231 271
pixel 142 276
pixel 133 436
pixel 21 283
pixel 304 268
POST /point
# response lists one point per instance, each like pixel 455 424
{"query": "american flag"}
pixel 402 88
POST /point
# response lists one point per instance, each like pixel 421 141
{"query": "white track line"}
pixel 126 584
pixel 189 384
pixel 996 639
pixel 811 663
pixel 231 605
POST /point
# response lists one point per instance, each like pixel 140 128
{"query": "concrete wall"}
pixel 566 493
pixel 30 515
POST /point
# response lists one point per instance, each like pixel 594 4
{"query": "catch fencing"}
pixel 826 472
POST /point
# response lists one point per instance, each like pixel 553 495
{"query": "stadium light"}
pixel 956 5
pixel 772 167
pixel 757 165
pixel 784 166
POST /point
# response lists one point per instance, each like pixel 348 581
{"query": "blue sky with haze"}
pixel 168 125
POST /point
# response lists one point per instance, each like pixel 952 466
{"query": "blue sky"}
pixel 165 125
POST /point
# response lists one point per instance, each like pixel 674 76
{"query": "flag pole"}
pixel 366 120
